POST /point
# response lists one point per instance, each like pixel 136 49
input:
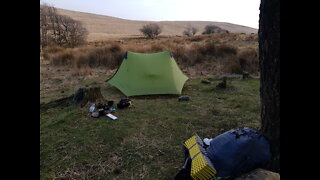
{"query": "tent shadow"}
pixel 156 96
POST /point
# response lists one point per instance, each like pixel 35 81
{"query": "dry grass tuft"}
pixel 63 57
pixel 50 50
pixel 233 66
pixel 85 71
pixel 226 50
pixel 108 56
pixel 249 60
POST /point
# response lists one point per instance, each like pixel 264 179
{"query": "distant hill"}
pixel 104 27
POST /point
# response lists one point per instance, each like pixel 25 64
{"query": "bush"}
pixel 45 53
pixel 226 50
pixel 233 66
pixel 151 30
pixel 107 56
pixel 102 56
pixel 208 49
pixel 210 29
pixel 63 58
pixel 246 61
pixel 156 48
pixel 190 31
pixel 249 61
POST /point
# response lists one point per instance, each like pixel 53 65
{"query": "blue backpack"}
pixel 238 151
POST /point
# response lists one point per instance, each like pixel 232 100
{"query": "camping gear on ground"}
pixel 101 112
pixel 110 103
pixel 111 116
pixel 124 103
pixel 92 107
pixel 145 74
pixel 201 166
pixel 207 141
pixel 112 110
pixel 231 154
pixel 100 108
pixel 105 107
pixel 184 98
pixel 238 151
pixel 95 114
pixel 184 172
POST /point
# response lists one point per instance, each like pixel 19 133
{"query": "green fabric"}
pixel 144 74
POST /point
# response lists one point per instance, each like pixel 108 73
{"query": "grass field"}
pixel 145 142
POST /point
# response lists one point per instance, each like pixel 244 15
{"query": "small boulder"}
pixel 245 75
pixel 184 98
pixel 260 174
pixel 205 81
pixel 222 84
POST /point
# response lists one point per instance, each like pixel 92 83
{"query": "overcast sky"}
pixel 242 12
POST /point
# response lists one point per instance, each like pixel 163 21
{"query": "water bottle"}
pixel 92 107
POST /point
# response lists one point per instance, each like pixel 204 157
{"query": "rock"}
pixel 184 98
pixel 205 81
pixel 95 114
pixel 222 84
pixel 245 75
pixel 259 174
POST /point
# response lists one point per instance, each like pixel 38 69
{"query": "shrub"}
pixel 63 58
pixel 115 48
pixel 190 31
pixel 210 29
pixel 233 66
pixel 102 56
pixel 196 39
pixel 156 48
pixel 47 51
pixel 249 61
pixel 207 49
pixel 225 50
pixel 151 30
pixel 107 56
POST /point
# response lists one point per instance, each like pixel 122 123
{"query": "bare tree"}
pixel 73 33
pixel 151 30
pixel 190 31
pixel 56 29
pixel 45 12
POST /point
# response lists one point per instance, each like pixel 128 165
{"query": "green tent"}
pixel 145 74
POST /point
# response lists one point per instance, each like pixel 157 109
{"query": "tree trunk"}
pixel 269 59
pixel 80 98
pixel 84 95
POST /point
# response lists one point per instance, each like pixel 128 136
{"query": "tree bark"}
pixel 269 61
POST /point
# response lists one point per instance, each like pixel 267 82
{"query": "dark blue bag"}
pixel 238 151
